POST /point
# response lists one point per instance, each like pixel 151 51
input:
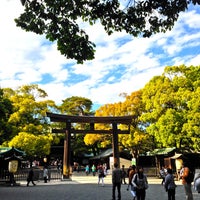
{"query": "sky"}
pixel 122 64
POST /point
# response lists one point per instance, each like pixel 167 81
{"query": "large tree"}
pixel 33 145
pixel 76 105
pixel 29 109
pixel 173 108
pixel 29 119
pixel 138 141
pixel 60 20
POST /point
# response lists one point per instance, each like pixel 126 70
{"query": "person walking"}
pixel 30 177
pixel 131 173
pixel 87 170
pixel 140 184
pixel 101 175
pixel 116 181
pixel 45 174
pixel 170 185
pixel 128 170
pixel 123 174
pixel 93 170
pixel 187 184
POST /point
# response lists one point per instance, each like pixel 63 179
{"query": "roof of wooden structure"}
pixel 10 151
pixel 89 119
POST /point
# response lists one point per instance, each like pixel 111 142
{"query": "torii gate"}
pixel 68 119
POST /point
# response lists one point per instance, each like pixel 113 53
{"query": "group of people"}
pixel 95 169
pixel 137 182
pixel 186 175
pixel 100 170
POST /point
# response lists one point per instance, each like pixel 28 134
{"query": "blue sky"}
pixel 122 63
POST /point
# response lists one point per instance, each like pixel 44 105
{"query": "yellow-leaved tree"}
pixel 136 141
pixel 32 144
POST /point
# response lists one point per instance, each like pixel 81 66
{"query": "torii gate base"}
pixel 68 119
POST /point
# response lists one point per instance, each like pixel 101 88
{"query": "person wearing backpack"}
pixel 140 183
pixel 186 181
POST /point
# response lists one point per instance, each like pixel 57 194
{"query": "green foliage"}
pixel 29 111
pixel 166 112
pixel 137 141
pixel 6 110
pixel 76 106
pixel 28 116
pixel 82 106
pixel 61 20
pixel 172 107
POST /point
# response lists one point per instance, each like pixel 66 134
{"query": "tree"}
pixel 29 110
pixel 76 106
pixel 104 140
pixel 32 144
pixel 82 106
pixel 136 141
pixel 172 107
pixel 31 128
pixel 61 20
pixel 6 110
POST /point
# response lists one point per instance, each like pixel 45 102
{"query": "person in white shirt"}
pixel 45 174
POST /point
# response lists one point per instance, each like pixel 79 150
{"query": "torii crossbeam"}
pixel 91 120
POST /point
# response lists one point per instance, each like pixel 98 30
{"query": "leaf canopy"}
pixel 61 20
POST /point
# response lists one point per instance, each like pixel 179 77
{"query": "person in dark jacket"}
pixel 116 181
pixel 30 177
pixel 169 184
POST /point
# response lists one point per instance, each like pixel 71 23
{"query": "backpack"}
pixel 190 177
pixel 141 182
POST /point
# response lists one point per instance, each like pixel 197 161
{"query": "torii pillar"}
pixel 67 152
pixel 115 144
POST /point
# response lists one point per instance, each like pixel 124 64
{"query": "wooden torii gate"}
pixel 91 120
